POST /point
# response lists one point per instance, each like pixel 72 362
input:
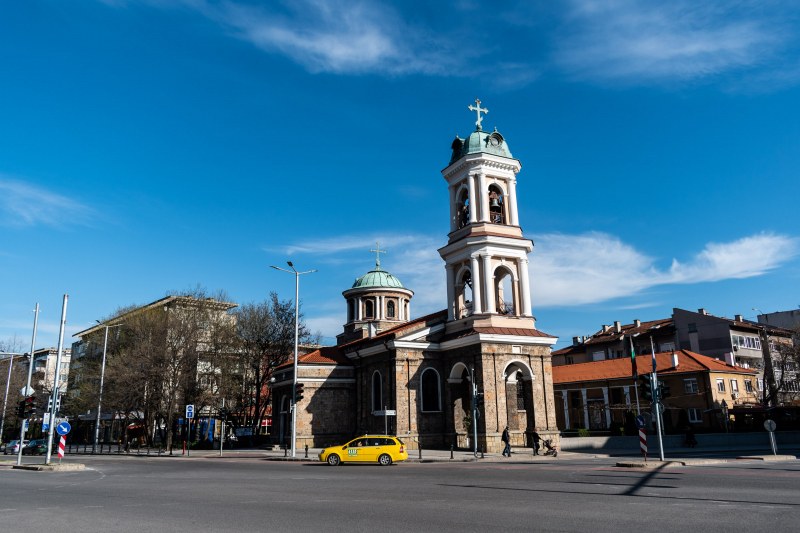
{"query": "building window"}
pixel 695 417
pixel 350 310
pixel 429 391
pixel 377 392
pixel 720 385
pixel 760 384
pixel 520 393
pixel 748 386
pixel 690 386
pixel 598 356
pixel 667 346
pixel 692 327
pixel 369 309
pixel 496 205
pixel 390 309
pixel 734 385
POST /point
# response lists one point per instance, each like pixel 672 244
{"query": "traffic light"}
pixel 223 413
pixel 479 400
pixel 21 409
pixel 646 386
pixel 663 390
pixel 31 406
pixel 298 392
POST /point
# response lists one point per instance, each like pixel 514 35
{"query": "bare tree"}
pixel 265 333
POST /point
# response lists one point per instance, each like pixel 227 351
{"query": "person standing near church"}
pixel 506 438
pixel 536 438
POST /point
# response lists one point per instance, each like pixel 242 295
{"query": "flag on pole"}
pixel 653 351
pixel 634 373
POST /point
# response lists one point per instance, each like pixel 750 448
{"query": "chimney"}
pixel 739 318
pixel 702 311
pixel 674 360
pixel 617 326
pixel 576 341
pixel 606 327
pixel 637 323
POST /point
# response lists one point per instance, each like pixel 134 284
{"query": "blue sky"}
pixel 152 146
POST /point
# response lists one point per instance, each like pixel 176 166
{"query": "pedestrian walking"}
pixel 536 438
pixel 507 441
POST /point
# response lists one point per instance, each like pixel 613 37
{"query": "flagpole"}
pixel 635 377
pixel 656 399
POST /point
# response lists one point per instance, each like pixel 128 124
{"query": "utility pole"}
pixel 56 378
pixel 474 412
pixel 28 383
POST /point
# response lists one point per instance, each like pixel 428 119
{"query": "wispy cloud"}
pixel 640 42
pixel 336 36
pixel 23 204
pixel 570 270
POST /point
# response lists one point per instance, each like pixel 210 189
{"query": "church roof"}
pixel 377 277
pixel 480 141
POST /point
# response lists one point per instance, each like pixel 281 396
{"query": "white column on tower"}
pixel 488 284
pixel 451 292
pixel 512 202
pixel 359 310
pixel 453 209
pixel 476 285
pixel 472 203
pixel 525 287
pixel 484 197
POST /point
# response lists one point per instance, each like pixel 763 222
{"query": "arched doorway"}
pixel 460 395
pixel 520 415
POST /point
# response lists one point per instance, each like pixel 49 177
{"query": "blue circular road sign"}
pixel 63 428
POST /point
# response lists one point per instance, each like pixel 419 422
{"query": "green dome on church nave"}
pixel 377 278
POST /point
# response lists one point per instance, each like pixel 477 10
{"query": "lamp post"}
pixel 725 414
pixel 296 315
pixel 102 376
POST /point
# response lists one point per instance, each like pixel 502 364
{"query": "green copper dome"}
pixel 480 142
pixel 377 278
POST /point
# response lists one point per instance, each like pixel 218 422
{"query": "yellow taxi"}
pixel 381 449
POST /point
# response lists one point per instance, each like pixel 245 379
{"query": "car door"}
pixel 357 451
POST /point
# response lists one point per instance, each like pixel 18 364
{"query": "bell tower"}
pixel 486 256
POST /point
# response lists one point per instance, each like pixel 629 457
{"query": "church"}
pixel 418 378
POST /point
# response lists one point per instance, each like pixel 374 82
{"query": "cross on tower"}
pixel 478 109
pixel 378 253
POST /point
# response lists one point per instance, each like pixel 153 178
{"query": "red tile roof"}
pixel 628 330
pixel 621 368
pixel 327 355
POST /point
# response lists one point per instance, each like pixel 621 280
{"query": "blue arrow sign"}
pixel 640 422
pixel 63 428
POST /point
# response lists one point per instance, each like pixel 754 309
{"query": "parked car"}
pixel 35 447
pixel 381 449
pixel 13 447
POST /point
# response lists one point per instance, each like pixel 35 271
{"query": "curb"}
pixel 68 467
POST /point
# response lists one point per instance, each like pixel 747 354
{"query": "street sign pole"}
pixel 656 400
pixel 189 416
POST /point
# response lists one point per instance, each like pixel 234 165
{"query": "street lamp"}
pixel 102 376
pixel 294 376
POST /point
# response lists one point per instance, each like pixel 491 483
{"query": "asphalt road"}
pixel 142 494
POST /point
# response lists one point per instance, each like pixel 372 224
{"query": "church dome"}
pixel 480 141
pixel 377 278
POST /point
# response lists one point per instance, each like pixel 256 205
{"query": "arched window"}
pixel 430 395
pixel 350 310
pixel 465 295
pixel 369 309
pixel 377 391
pixel 504 292
pixel 462 217
pixel 390 309
pixel 520 393
pixel 496 205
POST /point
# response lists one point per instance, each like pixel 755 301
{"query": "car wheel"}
pixel 334 460
pixel 385 460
